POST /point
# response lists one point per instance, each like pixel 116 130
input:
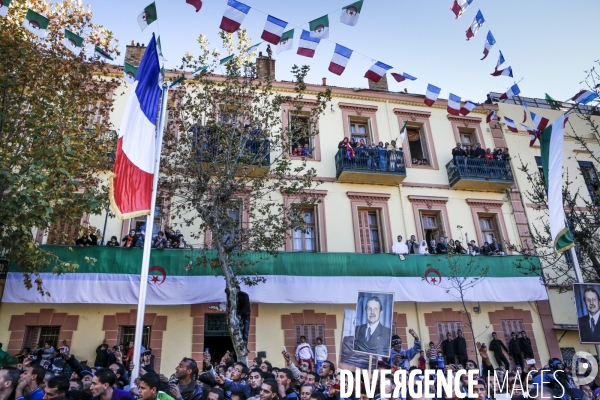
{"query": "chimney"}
pixel 265 67
pixel 381 85
pixel 324 81
pixel 134 53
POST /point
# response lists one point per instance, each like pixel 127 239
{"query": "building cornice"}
pixel 428 201
pixel 358 108
pixel 466 121
pixel 486 204
pixel 412 114
pixel 369 198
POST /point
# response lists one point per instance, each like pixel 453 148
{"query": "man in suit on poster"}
pixel 589 328
pixel 373 337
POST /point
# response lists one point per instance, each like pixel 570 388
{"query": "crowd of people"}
pixel 38 374
pixel 380 156
pixel 444 246
pixel 172 239
pixel 477 152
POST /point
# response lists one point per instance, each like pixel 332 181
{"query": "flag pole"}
pixel 141 311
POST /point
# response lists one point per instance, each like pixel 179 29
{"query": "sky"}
pixel 549 43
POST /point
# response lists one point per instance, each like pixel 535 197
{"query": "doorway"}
pixel 216 336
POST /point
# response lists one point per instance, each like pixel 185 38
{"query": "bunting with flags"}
pixel 459 7
pixel 402 77
pixel 533 134
pixel 524 110
pixel 233 16
pixel 308 44
pixel 503 72
pixel 468 107
pixel 513 91
pixel 286 42
pixel 72 41
pixel 319 28
pixel 540 123
pixel 432 94
pixel 350 13
pixel 36 23
pixel 274 28
pixel 102 54
pixel 584 97
pixel 197 72
pixel 478 21
pixel 377 71
pixel 225 60
pixel 196 3
pixel 129 73
pixel 340 59
pixel 490 41
pixel 147 16
pixel 491 116
pixel 453 104
pixel 510 124
pixel 4 4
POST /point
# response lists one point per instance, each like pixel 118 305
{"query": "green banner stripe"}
pixel 40 19
pixel 176 262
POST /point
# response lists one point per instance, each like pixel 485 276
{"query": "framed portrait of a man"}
pixel 374 314
pixel 587 303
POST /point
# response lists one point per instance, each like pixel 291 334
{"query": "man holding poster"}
pixel 374 337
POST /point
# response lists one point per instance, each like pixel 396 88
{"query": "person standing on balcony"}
pixel 496 247
pixel 442 247
pixel 400 248
pixel 423 249
pixel 479 152
pixel 458 151
pixel 413 245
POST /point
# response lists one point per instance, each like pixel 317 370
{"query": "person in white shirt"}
pixel 400 247
pixel 320 353
pixel 304 352
pixel 423 249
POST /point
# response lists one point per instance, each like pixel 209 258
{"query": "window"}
pixel 126 334
pixel 370 233
pixel 540 167
pixel 359 130
pixel 37 335
pixel 417 145
pixel 216 325
pixel 311 332
pixel 432 227
pixel 590 176
pixel 299 128
pixel 305 239
pixel 235 215
pixel 64 232
pixel 449 327
pixel 567 353
pixel 511 325
pixel 139 223
pixel 467 136
pixel 489 228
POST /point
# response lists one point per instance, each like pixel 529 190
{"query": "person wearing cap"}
pixel 514 350
pixel 401 358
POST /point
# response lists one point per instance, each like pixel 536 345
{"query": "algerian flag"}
pixel 72 42
pixel 4 4
pixel 198 72
pixel 225 60
pixel 129 72
pixel 36 23
pixel 101 53
pixel 177 82
pixel 402 135
pixel 163 75
pixel 555 105
pixel 159 47
pixel 147 16
pixel 286 42
pixel 350 14
pixel 319 28
pixel 252 48
pixel 551 143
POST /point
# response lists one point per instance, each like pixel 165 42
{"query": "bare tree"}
pixel 229 167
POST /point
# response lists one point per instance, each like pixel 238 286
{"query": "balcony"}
pixel 480 174
pixel 371 166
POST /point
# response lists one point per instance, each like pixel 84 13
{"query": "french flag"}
pixel 513 91
pixel 524 110
pixel 468 107
pixel 584 97
pixel 377 71
pixel 432 94
pixel 453 104
pixel 510 124
pixel 234 16
pixel 475 25
pixel 533 134
pixel 273 30
pixel 131 182
pixel 539 123
pixel 340 58
pixel 403 76
pixel 491 116
pixel 459 7
pixel 490 41
pixel 503 72
pixel 307 45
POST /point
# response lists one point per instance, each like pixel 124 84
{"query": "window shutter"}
pixel 364 233
pixel 32 337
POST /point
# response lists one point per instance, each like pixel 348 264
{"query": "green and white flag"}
pixel 177 82
pixel 4 4
pixel 551 143
pixel 350 14
pixel 36 23
pixel 402 136
pixel 252 48
pixel 319 28
pixel 197 72
pixel 72 42
pixel 103 54
pixel 286 42
pixel 147 16
pixel 129 72
pixel 225 60
pixel 159 49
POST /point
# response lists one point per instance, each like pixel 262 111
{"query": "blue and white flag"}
pixel 490 41
pixel 475 25
pixel 340 58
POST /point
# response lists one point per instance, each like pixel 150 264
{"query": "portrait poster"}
pixel 350 359
pixel 374 314
pixel 587 304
